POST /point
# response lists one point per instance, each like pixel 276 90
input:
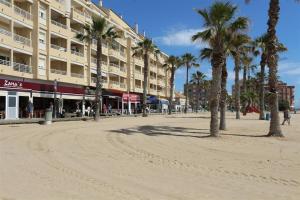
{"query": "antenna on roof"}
pixel 136 28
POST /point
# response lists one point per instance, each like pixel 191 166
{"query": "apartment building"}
pixel 41 59
pixel 198 95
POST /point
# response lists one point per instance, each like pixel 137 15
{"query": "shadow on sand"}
pixel 175 131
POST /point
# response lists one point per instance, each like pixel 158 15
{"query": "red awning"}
pixel 134 98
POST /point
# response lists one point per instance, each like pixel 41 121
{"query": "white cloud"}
pixel 289 68
pixel 180 37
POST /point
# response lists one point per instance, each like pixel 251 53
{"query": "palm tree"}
pixel 100 31
pixel 145 48
pixel 272 61
pixel 260 46
pixel 198 79
pixel 189 61
pixel 172 64
pixel 217 21
pixel 237 48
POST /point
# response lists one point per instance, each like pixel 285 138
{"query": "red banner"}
pixel 134 98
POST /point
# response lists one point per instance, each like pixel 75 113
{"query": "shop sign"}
pixel 133 97
pixel 12 84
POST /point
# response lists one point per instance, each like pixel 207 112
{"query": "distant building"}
pixel 179 102
pixel 285 92
pixel 198 96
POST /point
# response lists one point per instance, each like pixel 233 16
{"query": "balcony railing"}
pixel 77 31
pixel 5 62
pixel 57 71
pixel 22 68
pixel 22 12
pixel 53 46
pixel 77 53
pixel 114 65
pixel 58 24
pixel 122 85
pixel 5 32
pixel 7 3
pixel 122 69
pixel 23 40
pixel 77 75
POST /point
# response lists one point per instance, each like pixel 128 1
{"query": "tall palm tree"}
pixel 145 48
pixel 172 64
pixel 272 61
pixel 100 31
pixel 260 46
pixel 189 61
pixel 198 79
pixel 217 20
pixel 237 48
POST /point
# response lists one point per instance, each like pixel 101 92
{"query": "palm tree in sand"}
pixel 272 62
pixel 172 64
pixel 189 61
pixel 237 47
pixel 144 49
pixel 102 32
pixel 217 21
pixel 260 46
pixel 198 79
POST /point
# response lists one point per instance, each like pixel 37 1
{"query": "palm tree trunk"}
pixel 244 88
pixel 223 97
pixel 237 88
pixel 198 95
pixel 187 90
pixel 217 63
pixel 171 89
pixel 274 10
pixel 262 87
pixel 98 94
pixel 145 85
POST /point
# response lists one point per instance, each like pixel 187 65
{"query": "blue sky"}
pixel 171 23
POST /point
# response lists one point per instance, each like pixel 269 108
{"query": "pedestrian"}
pixel 30 109
pixel 109 108
pixel 104 109
pixel 286 116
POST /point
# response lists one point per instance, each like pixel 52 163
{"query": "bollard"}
pixel 48 117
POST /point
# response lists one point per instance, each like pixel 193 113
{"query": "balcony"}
pixel 59 72
pixel 23 15
pixel 5 7
pixel 78 15
pixel 75 33
pixel 153 91
pixel 138 61
pixel 22 68
pixel 77 75
pixel 5 36
pixel 161 82
pixel 138 89
pixel 58 4
pixel 117 85
pixel 58 51
pixel 77 56
pixel 22 42
pixel 161 71
pixel 139 76
pixel 59 28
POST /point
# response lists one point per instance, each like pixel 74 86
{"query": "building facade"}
pixel 40 59
pixel 285 92
pixel 198 95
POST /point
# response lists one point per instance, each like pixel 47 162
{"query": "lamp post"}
pixel 55 104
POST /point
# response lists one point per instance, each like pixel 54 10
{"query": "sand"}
pixel 157 158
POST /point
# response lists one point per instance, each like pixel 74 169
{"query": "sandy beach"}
pixel 157 158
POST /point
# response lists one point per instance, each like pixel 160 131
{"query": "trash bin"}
pixel 48 116
pixel 267 116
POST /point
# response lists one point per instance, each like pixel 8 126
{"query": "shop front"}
pixel 17 93
pixel 131 103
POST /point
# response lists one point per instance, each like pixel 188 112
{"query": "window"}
pixel 42 40
pixel 42 66
pixel 42 15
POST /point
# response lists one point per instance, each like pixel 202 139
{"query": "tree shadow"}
pixel 176 132
pixel 165 131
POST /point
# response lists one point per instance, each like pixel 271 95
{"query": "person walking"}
pixel 286 117
pixel 109 109
pixel 30 109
